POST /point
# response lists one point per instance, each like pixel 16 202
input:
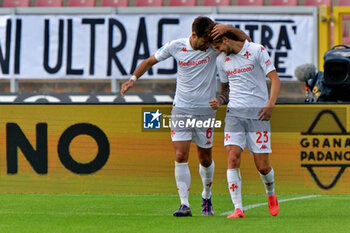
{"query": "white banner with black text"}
pixel 104 47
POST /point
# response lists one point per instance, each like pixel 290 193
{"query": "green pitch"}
pixel 152 213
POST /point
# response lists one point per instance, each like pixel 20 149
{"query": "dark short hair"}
pixel 228 35
pixel 202 26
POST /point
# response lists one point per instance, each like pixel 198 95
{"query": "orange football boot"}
pixel 237 214
pixel 274 207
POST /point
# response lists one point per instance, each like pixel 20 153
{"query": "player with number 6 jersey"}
pixel 242 67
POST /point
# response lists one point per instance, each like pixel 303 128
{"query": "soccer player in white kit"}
pixel 196 86
pixel 242 68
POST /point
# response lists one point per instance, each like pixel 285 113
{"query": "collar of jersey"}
pixel 244 48
pixel 188 44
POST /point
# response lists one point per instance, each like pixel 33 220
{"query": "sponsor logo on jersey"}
pixel 227 59
pixel 242 69
pixel 195 62
pixel 183 50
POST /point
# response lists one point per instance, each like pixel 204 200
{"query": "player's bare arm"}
pixel 221 29
pixel 222 98
pixel 266 112
pixel 140 70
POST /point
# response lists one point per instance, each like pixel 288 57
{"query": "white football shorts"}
pixel 252 132
pixel 201 133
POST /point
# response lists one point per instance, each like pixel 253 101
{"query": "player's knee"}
pixel 205 159
pixel 233 153
pixel 263 169
pixel 181 157
pixel 234 159
pixel 205 162
pixel 204 156
pixel 234 162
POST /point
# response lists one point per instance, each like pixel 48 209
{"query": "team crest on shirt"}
pixel 161 48
pixel 247 54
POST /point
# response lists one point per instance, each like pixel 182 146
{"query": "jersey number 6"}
pixel 209 133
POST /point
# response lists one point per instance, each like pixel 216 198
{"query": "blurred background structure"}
pixel 291 91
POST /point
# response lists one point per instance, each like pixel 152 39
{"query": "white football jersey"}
pixel 196 70
pixel 245 72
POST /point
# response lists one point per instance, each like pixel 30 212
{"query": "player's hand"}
pixel 218 30
pixel 214 103
pixel 126 86
pixel 265 113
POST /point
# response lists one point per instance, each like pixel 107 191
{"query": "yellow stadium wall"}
pixel 142 162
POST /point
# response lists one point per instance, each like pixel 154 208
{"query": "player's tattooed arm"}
pixel 222 98
pixel 222 29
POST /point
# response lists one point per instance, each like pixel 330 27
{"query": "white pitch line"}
pixel 248 207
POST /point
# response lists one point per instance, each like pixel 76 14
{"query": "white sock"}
pixel 269 182
pixel 183 181
pixel 207 174
pixel 234 187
